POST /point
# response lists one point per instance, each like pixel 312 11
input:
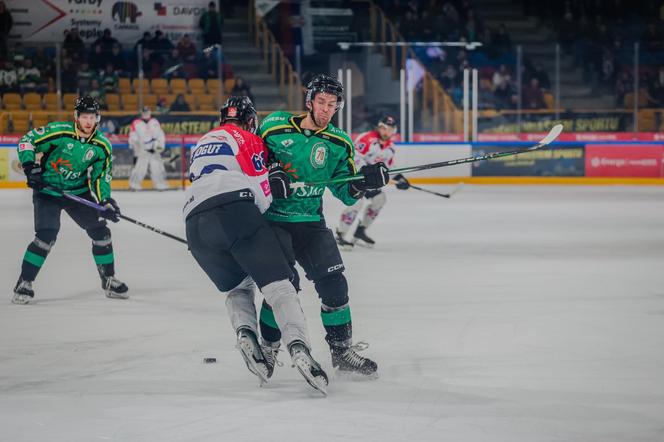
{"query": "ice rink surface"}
pixel 503 314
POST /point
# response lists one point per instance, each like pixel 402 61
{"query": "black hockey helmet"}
pixel 86 105
pixel 388 120
pixel 239 109
pixel 325 84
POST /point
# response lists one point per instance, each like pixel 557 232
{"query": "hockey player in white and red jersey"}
pixel 232 242
pixel 371 147
pixel 147 140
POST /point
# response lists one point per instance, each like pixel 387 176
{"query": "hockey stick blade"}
pixel 548 139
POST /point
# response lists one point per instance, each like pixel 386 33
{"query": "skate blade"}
pixel 355 376
pixel 21 300
pixel 318 383
pixel 259 370
pixel 346 247
pixel 112 295
pixel 366 245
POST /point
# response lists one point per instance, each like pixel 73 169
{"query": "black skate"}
pixel 361 237
pixel 270 352
pixel 114 288
pixel 345 245
pixel 23 293
pixel 308 367
pixel 252 354
pixel 347 361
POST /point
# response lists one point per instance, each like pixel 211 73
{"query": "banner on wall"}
pixel 558 161
pixel 171 124
pixel 624 160
pixel 46 20
pixel 573 122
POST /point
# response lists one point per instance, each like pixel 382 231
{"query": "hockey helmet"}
pixel 239 109
pixel 86 105
pixel 323 83
pixel 389 121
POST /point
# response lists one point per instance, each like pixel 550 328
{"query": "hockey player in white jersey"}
pixel 232 242
pixel 371 147
pixel 147 140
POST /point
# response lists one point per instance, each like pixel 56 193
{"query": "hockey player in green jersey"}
pixel 308 148
pixel 75 158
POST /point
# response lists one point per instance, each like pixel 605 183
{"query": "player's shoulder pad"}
pixel 273 120
pixel 100 140
pixel 338 135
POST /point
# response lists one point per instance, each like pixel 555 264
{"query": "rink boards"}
pixel 568 162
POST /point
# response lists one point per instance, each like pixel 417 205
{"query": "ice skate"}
pixel 114 288
pixel 252 354
pixel 308 367
pixel 360 237
pixel 347 361
pixel 345 245
pixel 23 293
pixel 270 352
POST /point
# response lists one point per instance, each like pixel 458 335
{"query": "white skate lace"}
pixel 271 355
pixel 353 358
pixel 360 346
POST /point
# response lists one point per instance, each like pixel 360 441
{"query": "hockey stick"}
pixel 175 67
pixel 400 179
pixel 548 139
pixel 97 207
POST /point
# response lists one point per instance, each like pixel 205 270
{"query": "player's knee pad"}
pixel 332 290
pixel 101 235
pixel 278 292
pixel 46 236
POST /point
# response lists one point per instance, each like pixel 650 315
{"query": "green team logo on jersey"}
pixel 319 155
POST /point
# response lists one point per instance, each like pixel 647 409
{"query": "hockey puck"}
pixel 209 360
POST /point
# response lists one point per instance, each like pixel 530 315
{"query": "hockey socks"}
pixel 338 324
pixel 35 256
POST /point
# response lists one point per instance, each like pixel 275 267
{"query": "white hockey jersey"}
pixel 371 149
pixel 224 164
pixel 146 136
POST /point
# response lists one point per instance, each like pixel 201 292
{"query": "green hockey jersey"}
pixel 67 156
pixel 307 156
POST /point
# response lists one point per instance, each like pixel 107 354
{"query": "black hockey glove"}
pixel 375 177
pixel 401 182
pixel 33 173
pixel 279 182
pixel 112 212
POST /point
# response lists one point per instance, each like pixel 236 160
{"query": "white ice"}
pixel 503 314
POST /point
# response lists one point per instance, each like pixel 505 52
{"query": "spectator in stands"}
pixel 533 96
pixel 6 23
pixel 208 65
pixel 502 75
pixel 504 94
pixel 654 91
pixel 109 80
pixel 29 78
pixel 210 24
pixel 118 60
pixel 450 78
pixel 180 104
pixel 98 59
pixel 145 42
pixel 97 92
pixel 106 41
pixel 542 76
pixel 8 78
pixel 161 48
pixel 84 77
pixel 241 88
pixel 43 62
pixel 187 50
pixel 73 45
pixel 69 75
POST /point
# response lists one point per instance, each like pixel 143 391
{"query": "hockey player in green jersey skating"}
pixel 308 148
pixel 75 158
